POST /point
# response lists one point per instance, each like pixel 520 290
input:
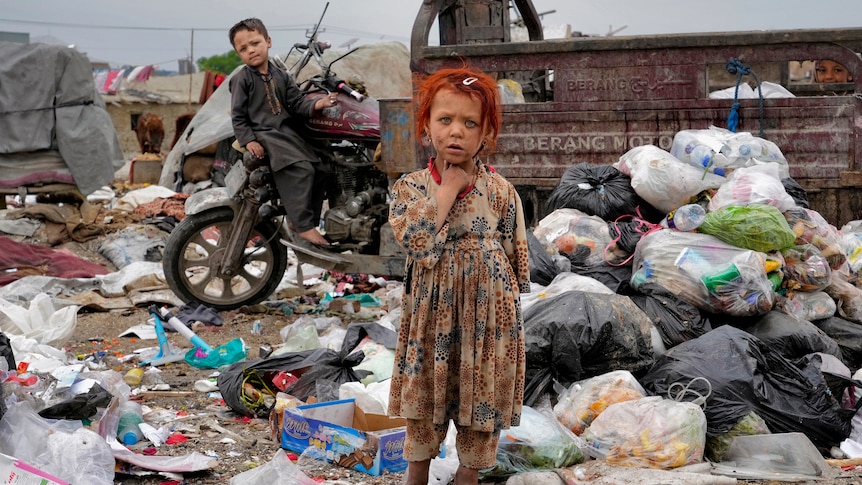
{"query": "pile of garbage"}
pixel 729 306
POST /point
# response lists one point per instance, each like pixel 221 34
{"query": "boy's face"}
pixel 252 47
pixel 826 71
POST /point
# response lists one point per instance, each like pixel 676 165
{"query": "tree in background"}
pixel 222 63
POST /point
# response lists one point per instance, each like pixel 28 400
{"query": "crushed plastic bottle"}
pixel 687 218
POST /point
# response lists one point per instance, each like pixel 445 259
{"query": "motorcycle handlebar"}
pixel 344 88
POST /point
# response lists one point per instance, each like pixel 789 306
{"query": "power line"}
pixel 279 28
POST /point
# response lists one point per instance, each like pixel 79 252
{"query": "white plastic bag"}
pixel 40 322
pixel 278 471
pixel 721 151
pixel 757 184
pixel 562 283
pixel 373 398
pixel 663 180
pixel 60 447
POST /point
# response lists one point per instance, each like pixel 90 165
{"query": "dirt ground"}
pixel 97 331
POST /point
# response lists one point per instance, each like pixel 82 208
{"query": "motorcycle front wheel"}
pixel 193 255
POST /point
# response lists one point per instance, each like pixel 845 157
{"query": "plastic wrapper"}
pixel 788 457
pixel 223 355
pixel 652 432
pixel 758 227
pixel 705 272
pixel 663 180
pixel 720 150
pixel 585 400
pixel 539 443
pixel 815 305
pixel 751 424
pixel 805 269
pixel 585 240
pixel 811 228
pixel 598 190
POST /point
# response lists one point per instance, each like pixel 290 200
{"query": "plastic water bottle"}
pixel 128 429
pixel 687 218
pixel 703 156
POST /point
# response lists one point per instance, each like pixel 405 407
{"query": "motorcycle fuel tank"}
pixel 349 119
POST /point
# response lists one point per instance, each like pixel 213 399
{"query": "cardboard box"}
pixel 345 435
pixel 16 472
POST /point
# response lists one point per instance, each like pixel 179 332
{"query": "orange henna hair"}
pixel 484 88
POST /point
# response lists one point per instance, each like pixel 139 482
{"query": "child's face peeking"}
pixel 827 71
pixel 252 47
pixel 455 127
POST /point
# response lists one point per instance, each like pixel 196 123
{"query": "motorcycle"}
pixel 231 248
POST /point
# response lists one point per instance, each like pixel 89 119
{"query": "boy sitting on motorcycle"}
pixel 265 104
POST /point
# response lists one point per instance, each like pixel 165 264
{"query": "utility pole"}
pixel 191 70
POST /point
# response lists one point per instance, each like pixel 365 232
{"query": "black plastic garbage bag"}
pixel 80 406
pixel 793 337
pixel 576 335
pixel 357 332
pixel 327 375
pixel 616 278
pixel 848 335
pixel 796 192
pixel 321 371
pixel 7 354
pixel 677 321
pixel 598 190
pixel 542 267
pixel 745 375
pixel 627 233
pixel 259 374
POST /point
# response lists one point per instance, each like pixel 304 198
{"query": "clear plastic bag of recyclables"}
pixel 710 274
pixel 652 432
pixel 539 443
pixel 585 400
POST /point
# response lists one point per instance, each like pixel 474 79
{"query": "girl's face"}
pixel 455 127
pixel 828 71
pixel 252 47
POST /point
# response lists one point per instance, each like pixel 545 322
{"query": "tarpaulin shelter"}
pixel 54 124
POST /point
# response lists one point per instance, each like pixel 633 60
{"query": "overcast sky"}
pixel 159 32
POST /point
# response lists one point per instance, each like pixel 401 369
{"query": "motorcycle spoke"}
pixel 196 267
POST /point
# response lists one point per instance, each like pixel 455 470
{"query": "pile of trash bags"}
pixel 748 324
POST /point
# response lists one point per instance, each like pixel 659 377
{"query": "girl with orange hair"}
pixel 460 352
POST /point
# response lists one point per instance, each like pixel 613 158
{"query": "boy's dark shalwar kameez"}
pixel 266 109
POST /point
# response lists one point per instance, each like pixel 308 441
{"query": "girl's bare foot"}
pixel 313 236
